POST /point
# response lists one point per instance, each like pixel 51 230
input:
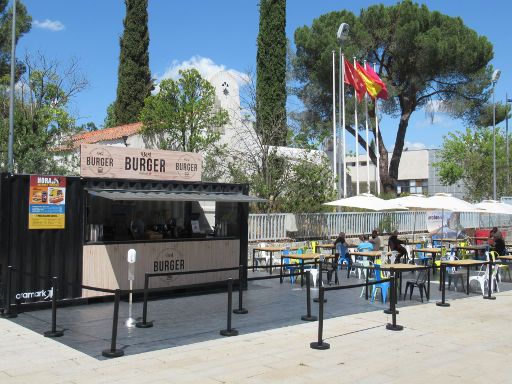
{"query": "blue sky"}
pixel 222 35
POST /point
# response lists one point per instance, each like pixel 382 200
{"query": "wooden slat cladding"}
pixel 106 266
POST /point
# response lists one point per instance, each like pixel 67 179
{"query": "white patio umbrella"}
pixel 493 206
pixel 496 207
pixel 367 201
pixel 445 201
pixel 415 202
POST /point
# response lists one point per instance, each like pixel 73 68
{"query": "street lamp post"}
pixel 495 77
pixel 507 100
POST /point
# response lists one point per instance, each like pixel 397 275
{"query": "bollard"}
pixel 240 310
pixel 144 323
pixel 489 282
pixel 113 351
pixel 319 344
pixel 54 332
pixel 393 326
pixel 9 313
pixel 229 331
pixel 308 316
pixel 442 278
pixel 317 299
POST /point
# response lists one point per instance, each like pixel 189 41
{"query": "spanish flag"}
pixel 353 78
pixel 375 87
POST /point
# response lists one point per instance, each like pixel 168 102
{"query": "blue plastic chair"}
pixel 344 258
pixel 421 256
pixel 287 260
pixel 383 286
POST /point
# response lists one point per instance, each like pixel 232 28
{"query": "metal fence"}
pixel 281 226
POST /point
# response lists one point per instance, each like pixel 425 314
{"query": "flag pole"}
pixel 334 118
pixel 367 145
pixel 10 142
pixel 342 155
pixel 342 81
pixel 377 149
pixel 356 128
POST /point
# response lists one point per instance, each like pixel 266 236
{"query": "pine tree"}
pixel 134 77
pixel 271 73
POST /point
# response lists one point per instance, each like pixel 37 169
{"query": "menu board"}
pixel 47 202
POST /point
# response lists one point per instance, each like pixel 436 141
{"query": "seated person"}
pixel 492 233
pixel 375 240
pixel 342 249
pixel 366 245
pixel 396 245
pixel 499 244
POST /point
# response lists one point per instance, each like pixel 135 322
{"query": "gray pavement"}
pixel 468 341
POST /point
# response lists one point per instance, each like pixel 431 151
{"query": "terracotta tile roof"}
pixel 106 134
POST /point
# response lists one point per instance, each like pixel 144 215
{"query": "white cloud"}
pixel 206 67
pixel 414 146
pixel 48 24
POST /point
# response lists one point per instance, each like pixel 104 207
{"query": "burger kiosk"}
pixel 81 228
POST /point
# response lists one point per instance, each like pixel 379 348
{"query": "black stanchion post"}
pixel 393 326
pixel 428 283
pixel 229 331
pixel 54 332
pixel 281 271
pixel 113 351
pixel 319 344
pixel 320 277
pixel 442 278
pixel 366 286
pixel 9 313
pixel 307 316
pixel 489 281
pixel 240 310
pixel 392 295
pixel 144 323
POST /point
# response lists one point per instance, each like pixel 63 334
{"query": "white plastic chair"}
pixel 262 256
pixel 482 278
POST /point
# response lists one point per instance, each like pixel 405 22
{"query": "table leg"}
pixel 301 272
pixel 428 284
pixel 400 287
pixel 271 257
pixel 467 281
pixel 433 264
pixel 281 271
pixel 253 258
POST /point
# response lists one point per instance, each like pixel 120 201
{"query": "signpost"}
pixel 131 258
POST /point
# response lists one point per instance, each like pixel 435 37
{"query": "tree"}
pixel 42 120
pixel 182 116
pixel 23 25
pixel 134 77
pixel 271 72
pixel 288 178
pixel 467 157
pixel 422 56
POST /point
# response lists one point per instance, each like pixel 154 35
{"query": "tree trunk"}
pixel 389 176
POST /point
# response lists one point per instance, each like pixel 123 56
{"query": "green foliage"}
pixel 308 188
pixel 423 56
pixel 182 115
pixel 42 121
pixel 387 224
pixel 467 157
pixel 110 119
pixel 134 77
pixel 23 25
pixel 271 72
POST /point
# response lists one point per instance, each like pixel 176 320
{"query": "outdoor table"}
pixel 270 250
pixel 374 254
pixel 458 263
pixel 302 258
pixel 474 248
pixel 433 251
pixel 402 267
pixel 332 247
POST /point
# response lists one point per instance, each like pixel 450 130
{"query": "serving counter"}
pixel 105 265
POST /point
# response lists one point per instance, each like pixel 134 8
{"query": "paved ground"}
pixel 467 342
